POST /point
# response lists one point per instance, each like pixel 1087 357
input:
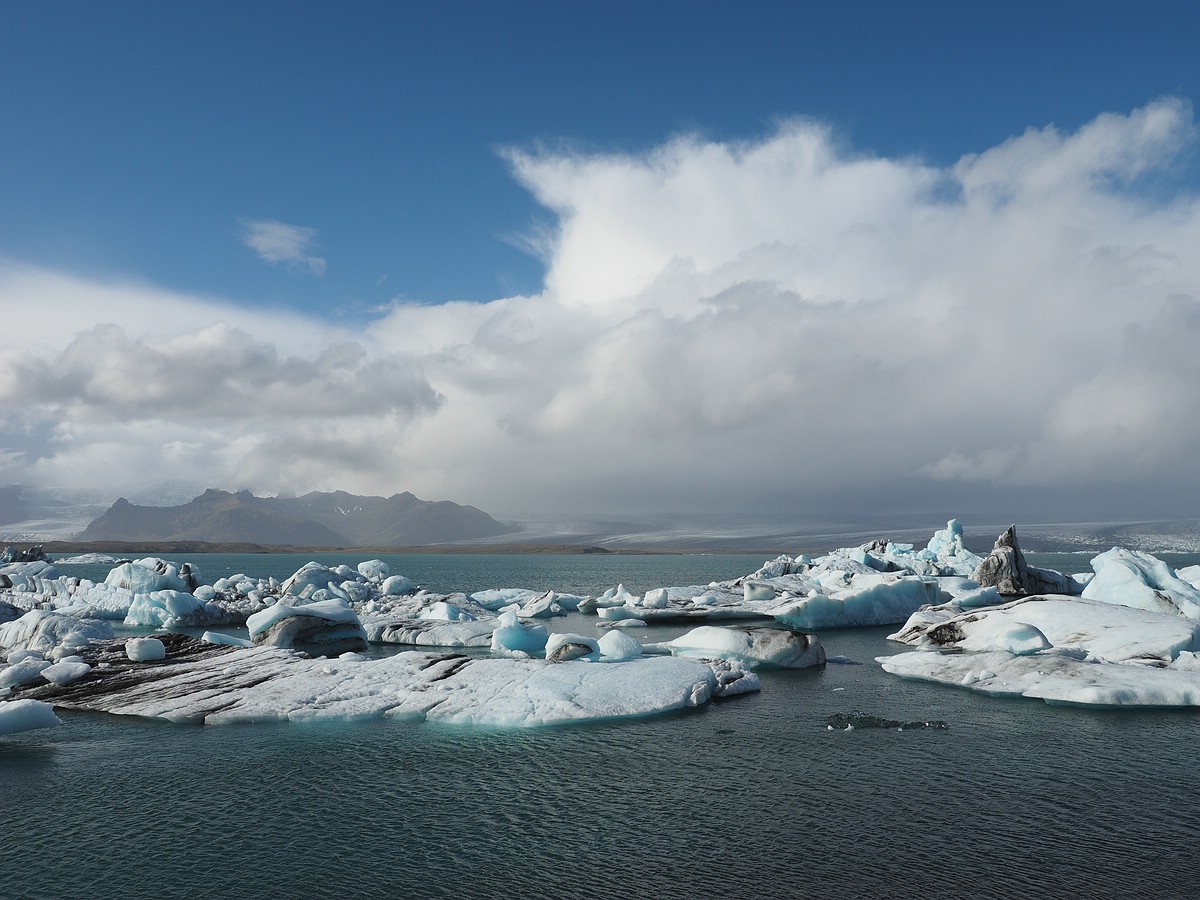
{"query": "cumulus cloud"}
pixel 785 321
pixel 277 242
pixel 775 324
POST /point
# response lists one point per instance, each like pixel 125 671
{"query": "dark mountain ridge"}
pixel 337 519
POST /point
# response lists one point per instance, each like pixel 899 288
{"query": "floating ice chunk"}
pixel 446 612
pixel 1190 574
pixel 613 597
pixel 145 649
pixel 755 591
pixel 890 601
pixel 163 609
pixel 1104 630
pixel 227 640
pixel 1006 570
pixel 499 598
pixel 1132 578
pixel 267 684
pixel 326 627
pixel 396 586
pixel 948 546
pixel 1018 638
pixel 565 647
pixel 312 577
pixel 65 671
pixel 511 636
pixel 567 601
pixel 782 565
pixel 374 570
pixel 617 645
pixel 26 715
pixel 543 606
pixel 24 671
pixel 43 630
pixel 152 574
pixel 656 599
pixel 1053 676
pixel 752 645
pixel 429 632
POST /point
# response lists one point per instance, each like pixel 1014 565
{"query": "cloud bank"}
pixel 777 324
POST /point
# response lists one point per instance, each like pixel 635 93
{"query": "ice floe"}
pixel 26 715
pixel 324 627
pixel 753 645
pixel 1058 648
pixel 219 685
pixel 1137 579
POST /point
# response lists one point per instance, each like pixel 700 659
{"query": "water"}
pixel 751 797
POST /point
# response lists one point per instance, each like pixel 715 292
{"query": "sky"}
pixel 561 259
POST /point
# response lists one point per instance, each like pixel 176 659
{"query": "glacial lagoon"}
pixel 752 796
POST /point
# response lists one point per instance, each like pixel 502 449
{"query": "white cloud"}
pixel 277 242
pixel 773 323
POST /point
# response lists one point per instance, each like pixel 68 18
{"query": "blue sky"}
pixel 137 136
pixel 613 188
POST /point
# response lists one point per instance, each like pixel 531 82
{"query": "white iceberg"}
pixel 1056 648
pixel 618 645
pixel 43 630
pixel 1055 676
pixel 66 670
pixel 1082 626
pixel 26 715
pixel 429 632
pixel 145 649
pixel 327 627
pixel 512 637
pixel 567 647
pixel 752 645
pixel 24 671
pixel 1133 578
pixel 890 600
pixel 152 574
pixel 220 685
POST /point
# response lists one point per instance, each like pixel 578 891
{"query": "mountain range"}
pixel 336 519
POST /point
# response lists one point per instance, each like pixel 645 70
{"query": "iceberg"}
pixel 754 646
pixel 152 574
pixel 23 671
pixel 176 609
pixel 326 627
pixel 512 637
pixel 26 715
pixel 429 632
pixel 1054 676
pixel 566 647
pixel 66 670
pixel 1133 578
pixel 1006 570
pixel 890 600
pixel 145 649
pixel 1056 648
pixel 1084 627
pixel 44 630
pixel 618 645
pixel 221 685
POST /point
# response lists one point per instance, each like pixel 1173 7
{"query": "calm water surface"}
pixel 752 797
